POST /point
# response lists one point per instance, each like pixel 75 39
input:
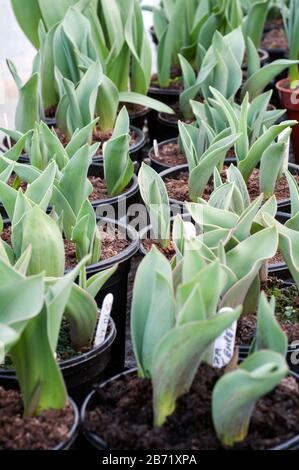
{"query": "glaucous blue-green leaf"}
pixel 236 393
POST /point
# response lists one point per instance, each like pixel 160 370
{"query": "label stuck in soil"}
pixel 284 136
pixel 103 320
pixel 224 344
pixel 156 148
pixel 190 230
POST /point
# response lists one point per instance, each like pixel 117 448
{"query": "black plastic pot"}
pixel 276 54
pixel 292 356
pixel 96 442
pixel 167 96
pixel 50 121
pixel 114 207
pixel 137 118
pixel 117 285
pixel 82 372
pixel 283 205
pixel 12 383
pixel 264 58
pixel 166 128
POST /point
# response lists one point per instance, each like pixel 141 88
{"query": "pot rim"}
pixel 142 112
pixel 133 148
pixel 79 359
pixel 280 85
pixel 121 257
pixel 164 91
pixel 151 152
pixel 174 202
pixel 163 120
pixel 74 430
pixel 94 438
pixel 128 193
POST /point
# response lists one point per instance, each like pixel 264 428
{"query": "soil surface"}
pixel 178 189
pixel 170 155
pixel 98 136
pixel 169 252
pixel 274 23
pixel 286 310
pixel 112 244
pixel 124 416
pixel 277 259
pixel 44 432
pixel 50 112
pixel 100 191
pixel 275 39
pixel 176 81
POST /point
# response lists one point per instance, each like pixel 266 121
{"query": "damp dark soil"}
pixel 178 189
pixel 274 23
pixel 112 244
pixel 123 416
pixel 50 112
pixel 170 155
pixel 169 251
pixel 100 191
pixel 275 39
pixel 44 432
pixel 286 311
pixel 98 136
pixel 277 259
pixel 176 81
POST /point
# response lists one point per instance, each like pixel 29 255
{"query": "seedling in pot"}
pixel 264 147
pixel 68 73
pixel 288 233
pixel 73 213
pixel 202 20
pixel 94 95
pixel 30 334
pixel 110 33
pixel 221 68
pixel 42 144
pixel 155 198
pixel 170 356
pixel 159 348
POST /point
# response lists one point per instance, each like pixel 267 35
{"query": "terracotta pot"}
pixel 289 100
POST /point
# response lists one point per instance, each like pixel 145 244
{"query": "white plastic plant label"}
pixel 190 230
pixel 224 344
pixel 103 320
pixel 156 148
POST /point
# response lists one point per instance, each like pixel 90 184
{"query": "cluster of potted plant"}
pixel 213 312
